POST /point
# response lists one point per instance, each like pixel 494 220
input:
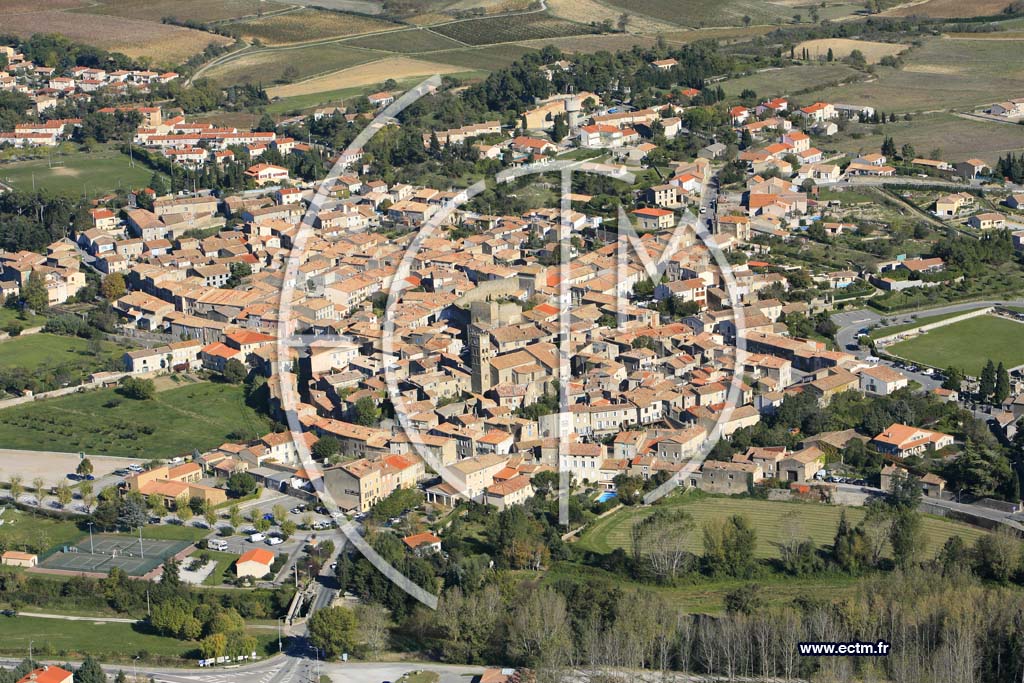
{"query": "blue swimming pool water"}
pixel 606 496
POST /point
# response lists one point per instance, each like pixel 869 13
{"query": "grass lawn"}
pixel 224 563
pixel 36 533
pixel 773 521
pixel 94 173
pixel 175 421
pixel 50 354
pixel 105 640
pixel 967 344
pixel 8 315
pixel 918 322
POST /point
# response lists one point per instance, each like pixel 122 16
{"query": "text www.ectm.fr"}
pixel 854 648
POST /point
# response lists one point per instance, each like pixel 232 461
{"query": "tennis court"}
pixel 133 556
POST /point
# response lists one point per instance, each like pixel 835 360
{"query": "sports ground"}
pixel 968 344
pixel 134 556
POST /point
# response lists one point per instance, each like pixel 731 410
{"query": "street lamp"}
pixel 30 663
pixel 91 551
pixel 135 668
pixel 279 634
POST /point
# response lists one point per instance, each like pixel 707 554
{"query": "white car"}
pixel 274 540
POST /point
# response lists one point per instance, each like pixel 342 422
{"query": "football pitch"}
pixel 967 345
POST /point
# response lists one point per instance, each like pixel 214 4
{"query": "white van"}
pixel 274 540
pixel 256 537
pixel 217 544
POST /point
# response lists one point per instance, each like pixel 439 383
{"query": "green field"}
pixel 506 30
pixel 36 533
pixel 308 25
pixel 967 344
pixel 789 80
pixel 75 172
pixel 772 520
pixel 957 137
pixel 104 640
pixel 918 322
pixel 408 41
pixel 268 66
pixel 491 57
pixel 699 13
pixel 49 356
pixel 175 421
pixel 943 74
pixel 195 10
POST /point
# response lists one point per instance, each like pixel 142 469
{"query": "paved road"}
pixel 965 508
pixel 69 617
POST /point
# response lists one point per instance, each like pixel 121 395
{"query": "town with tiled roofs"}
pixel 596 344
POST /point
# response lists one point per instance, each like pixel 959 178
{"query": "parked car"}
pixel 274 540
pixel 256 537
pixel 269 517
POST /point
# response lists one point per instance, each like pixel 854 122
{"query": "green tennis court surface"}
pixel 133 556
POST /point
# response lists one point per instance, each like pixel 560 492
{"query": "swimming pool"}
pixel 606 496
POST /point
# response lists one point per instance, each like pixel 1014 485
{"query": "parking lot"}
pixel 53 468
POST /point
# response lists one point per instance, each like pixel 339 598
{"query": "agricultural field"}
pixel 943 74
pixel 9 7
pixel 843 47
pixel 57 359
pixel 106 423
pixel 503 30
pixel 366 74
pixel 358 6
pixel 308 25
pixel 944 9
pixel 611 42
pixel 957 137
pixel 724 35
pixel 792 79
pixel 774 522
pixel 490 57
pixel 969 344
pixel 269 66
pixel 71 171
pixel 164 44
pixel 699 13
pixel 586 11
pixel 409 40
pixel 203 11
